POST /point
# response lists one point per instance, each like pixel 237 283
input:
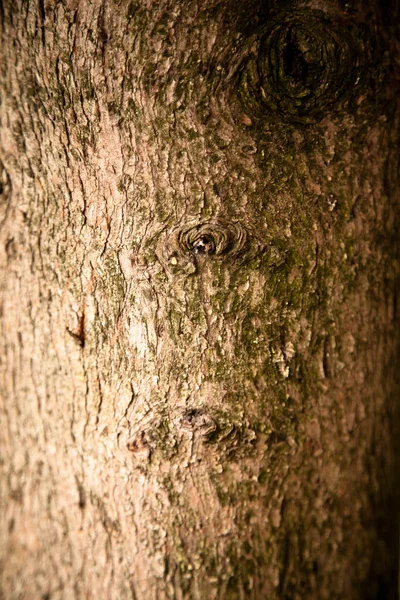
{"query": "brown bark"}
pixel 198 300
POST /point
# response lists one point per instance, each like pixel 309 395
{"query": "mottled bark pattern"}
pixel 198 300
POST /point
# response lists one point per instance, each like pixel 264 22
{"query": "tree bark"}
pixel 199 244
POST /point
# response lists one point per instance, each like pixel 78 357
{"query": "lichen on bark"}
pixel 199 247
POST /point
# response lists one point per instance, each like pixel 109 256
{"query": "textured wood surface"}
pixel 198 253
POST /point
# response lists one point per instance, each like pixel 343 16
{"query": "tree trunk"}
pixel 198 300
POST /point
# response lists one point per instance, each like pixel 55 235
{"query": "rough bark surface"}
pixel 198 300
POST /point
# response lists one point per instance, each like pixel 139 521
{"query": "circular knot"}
pixel 212 238
pixel 303 64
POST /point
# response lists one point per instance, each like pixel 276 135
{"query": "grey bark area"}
pixel 198 248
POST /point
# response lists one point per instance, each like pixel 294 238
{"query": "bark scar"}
pixel 79 334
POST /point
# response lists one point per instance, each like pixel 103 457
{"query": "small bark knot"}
pixel 196 420
pixel 216 239
pixel 139 445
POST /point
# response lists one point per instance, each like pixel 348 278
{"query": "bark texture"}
pixel 198 344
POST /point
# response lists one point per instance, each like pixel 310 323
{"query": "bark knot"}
pixel 217 239
pixel 303 63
